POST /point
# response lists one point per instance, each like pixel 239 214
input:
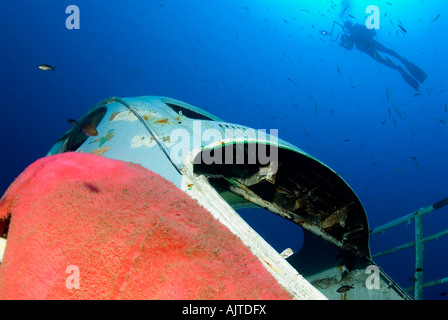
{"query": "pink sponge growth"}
pixel 124 233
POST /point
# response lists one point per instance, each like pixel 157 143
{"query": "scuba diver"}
pixel 362 37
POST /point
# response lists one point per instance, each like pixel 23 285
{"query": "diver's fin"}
pixel 416 72
pixel 407 77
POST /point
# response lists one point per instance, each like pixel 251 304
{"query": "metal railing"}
pixel 418 243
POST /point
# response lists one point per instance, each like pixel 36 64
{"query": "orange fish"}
pixel 88 129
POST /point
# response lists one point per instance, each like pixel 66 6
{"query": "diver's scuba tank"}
pixel 346 42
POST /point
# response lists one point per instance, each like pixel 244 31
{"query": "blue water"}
pixel 260 63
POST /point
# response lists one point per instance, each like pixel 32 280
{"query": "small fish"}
pixel 339 70
pixel 404 30
pixel 418 269
pixel 436 18
pixel 88 129
pixel 345 288
pixel 398 112
pixel 393 63
pixel 46 67
pixel 388 95
pixel 315 106
pixel 443 294
pixel 413 279
pixel 442 121
pixel 416 94
pixel 72 122
pixel 350 16
pixel 305 133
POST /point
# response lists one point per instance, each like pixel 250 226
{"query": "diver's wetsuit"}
pixel 362 37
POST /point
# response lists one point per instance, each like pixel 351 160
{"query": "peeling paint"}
pixel 165 120
pixel 100 151
pixel 127 115
pixel 147 141
pixel 107 137
pixel 270 265
pixel 142 141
